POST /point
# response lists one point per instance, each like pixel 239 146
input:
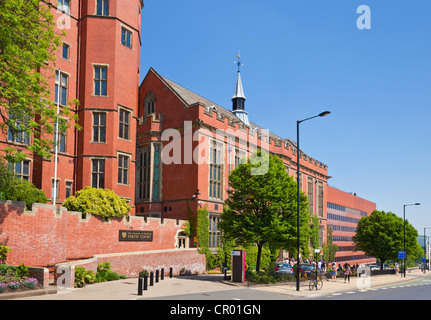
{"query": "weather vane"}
pixel 239 62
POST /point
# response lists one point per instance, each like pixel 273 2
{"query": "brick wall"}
pixel 50 235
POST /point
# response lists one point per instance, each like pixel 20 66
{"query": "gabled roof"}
pixel 189 98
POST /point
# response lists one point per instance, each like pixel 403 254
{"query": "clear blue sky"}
pixel 304 57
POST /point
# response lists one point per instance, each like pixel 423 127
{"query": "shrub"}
pixel 103 267
pixel 82 277
pixel 104 273
pixel 2 287
pixel 22 271
pixel 100 202
pixel 23 190
pixel 3 253
pixel 143 272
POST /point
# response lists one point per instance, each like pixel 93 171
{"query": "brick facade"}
pixel 47 236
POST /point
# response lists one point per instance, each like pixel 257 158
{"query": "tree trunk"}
pixel 259 253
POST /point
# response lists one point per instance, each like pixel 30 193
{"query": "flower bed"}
pixel 18 286
pixel 16 279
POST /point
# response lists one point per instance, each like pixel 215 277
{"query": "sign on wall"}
pixel 135 235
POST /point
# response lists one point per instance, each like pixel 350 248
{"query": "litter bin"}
pixel 238 266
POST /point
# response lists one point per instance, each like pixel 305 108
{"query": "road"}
pixel 413 290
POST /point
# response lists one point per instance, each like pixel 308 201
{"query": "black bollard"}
pixel 140 286
pixel 146 282
pixel 170 272
pixel 157 275
pixel 151 278
pixel 162 274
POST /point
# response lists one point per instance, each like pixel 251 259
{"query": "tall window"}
pixel 123 169
pixel 65 53
pixel 61 140
pixel 61 84
pixel 144 166
pixel 98 173
pixel 156 172
pixel 55 189
pixel 68 189
pixel 320 199
pixel 99 127
pixel 102 7
pixel 100 81
pixel 149 104
pixel 240 157
pixel 126 37
pixel 149 172
pixel 310 191
pixel 16 132
pixel 214 232
pixel 124 124
pixel 216 172
pixel 21 169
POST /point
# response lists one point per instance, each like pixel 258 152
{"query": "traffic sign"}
pixel 401 255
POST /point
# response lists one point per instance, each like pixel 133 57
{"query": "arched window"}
pixel 149 104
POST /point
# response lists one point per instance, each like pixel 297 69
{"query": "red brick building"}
pixel 165 187
pixel 98 64
pixel 163 147
pixel 344 212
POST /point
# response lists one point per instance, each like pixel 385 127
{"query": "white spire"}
pixel 238 99
pixel 239 91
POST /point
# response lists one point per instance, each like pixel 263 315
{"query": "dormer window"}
pixel 149 104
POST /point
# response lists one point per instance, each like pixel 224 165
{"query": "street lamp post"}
pixel 425 249
pixel 404 219
pixel 325 113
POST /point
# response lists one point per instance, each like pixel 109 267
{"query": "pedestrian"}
pixel 333 271
pixel 397 268
pixel 347 274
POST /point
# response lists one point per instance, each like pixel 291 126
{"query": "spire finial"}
pixel 239 61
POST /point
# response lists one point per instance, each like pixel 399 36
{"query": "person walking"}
pixel 333 271
pixel 347 274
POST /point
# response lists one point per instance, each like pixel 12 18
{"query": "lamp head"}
pixel 324 113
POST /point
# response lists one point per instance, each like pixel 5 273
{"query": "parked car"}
pixel 306 267
pixel 283 268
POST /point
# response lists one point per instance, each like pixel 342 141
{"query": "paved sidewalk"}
pixel 339 286
pixel 127 289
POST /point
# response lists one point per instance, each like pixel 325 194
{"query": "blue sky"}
pixel 304 57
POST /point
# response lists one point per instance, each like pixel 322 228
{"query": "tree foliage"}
pixel 100 202
pixel 16 189
pixel 262 208
pixel 329 248
pixel 381 235
pixel 28 44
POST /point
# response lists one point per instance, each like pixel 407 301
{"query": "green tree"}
pixel 28 44
pixel 381 235
pixel 329 249
pixel 262 206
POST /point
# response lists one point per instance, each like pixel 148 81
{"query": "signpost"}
pixel 402 256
